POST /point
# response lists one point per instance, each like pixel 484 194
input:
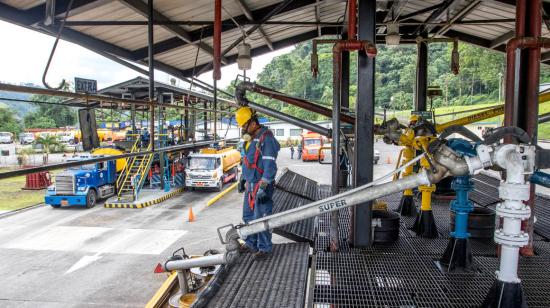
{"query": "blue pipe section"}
pixel 540 178
pixel 462 185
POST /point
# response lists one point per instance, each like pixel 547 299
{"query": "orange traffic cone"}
pixel 388 160
pixel 191 215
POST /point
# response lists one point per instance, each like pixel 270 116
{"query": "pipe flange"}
pixel 511 191
pixel 497 274
pixel 523 213
pixel 513 240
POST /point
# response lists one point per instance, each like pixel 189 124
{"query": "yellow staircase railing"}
pixel 129 163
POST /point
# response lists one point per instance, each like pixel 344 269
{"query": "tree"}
pixel 50 113
pixel 48 142
pixel 8 122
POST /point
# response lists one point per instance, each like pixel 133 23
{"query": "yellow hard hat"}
pixel 243 115
pixel 414 118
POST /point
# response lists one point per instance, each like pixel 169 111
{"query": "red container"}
pixel 38 180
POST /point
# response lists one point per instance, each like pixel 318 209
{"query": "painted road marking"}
pixel 97 240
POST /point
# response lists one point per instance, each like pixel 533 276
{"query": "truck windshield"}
pixel 3 134
pixel 309 142
pixel 202 163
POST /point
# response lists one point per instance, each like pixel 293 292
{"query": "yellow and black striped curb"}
pixel 140 205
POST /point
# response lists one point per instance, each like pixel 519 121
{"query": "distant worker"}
pixel 300 150
pixel 145 136
pixel 257 181
pixel 291 151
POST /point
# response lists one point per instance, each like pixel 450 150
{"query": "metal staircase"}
pixel 131 179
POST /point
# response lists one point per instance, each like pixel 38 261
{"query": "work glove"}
pixel 261 195
pixel 242 185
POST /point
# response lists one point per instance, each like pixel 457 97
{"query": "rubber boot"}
pixel 458 256
pixel 505 295
pixel 406 206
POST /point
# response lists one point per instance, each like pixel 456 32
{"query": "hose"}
pixel 206 294
pixel 498 133
pixel 458 129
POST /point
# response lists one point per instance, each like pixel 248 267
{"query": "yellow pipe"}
pixel 426 191
pixel 163 292
pixel 408 155
pixel 220 195
pixel 483 115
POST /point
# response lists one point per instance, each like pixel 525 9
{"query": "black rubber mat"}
pixel 301 231
pixel 298 184
pixel 279 281
pixel 542 212
pixel 485 190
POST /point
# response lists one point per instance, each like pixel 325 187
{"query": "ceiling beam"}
pixel 206 32
pixel 502 39
pixel 246 11
pixel 435 15
pixel 421 11
pixel 141 8
pixel 19 17
pixel 459 16
pixel 469 38
pixel 277 45
pixel 36 14
pixel 385 15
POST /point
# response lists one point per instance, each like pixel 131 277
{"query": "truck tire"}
pixel 220 185
pixel 91 198
pixel 56 206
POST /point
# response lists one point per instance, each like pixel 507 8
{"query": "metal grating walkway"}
pixel 279 281
pixel 405 273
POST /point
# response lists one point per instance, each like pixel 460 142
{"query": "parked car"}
pixel 6 137
pixel 26 138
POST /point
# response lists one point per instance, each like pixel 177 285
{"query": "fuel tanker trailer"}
pixel 212 168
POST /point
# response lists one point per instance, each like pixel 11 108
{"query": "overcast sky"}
pixel 24 54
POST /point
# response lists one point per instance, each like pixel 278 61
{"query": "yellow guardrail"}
pixel 161 296
pixel 220 195
pixel 483 115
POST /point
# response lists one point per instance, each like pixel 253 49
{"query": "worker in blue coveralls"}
pixel 258 175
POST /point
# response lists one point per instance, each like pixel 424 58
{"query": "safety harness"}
pixel 254 165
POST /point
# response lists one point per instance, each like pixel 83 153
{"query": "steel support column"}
pixel 364 137
pixel 151 59
pixel 421 77
pixel 522 84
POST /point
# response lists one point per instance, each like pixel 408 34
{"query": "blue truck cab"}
pixel 83 185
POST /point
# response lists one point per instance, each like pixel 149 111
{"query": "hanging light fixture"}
pixel 392 34
pixel 244 60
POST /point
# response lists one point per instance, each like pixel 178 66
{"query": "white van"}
pixel 6 137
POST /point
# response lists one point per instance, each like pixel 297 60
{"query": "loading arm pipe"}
pixel 240 96
pixel 298 102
